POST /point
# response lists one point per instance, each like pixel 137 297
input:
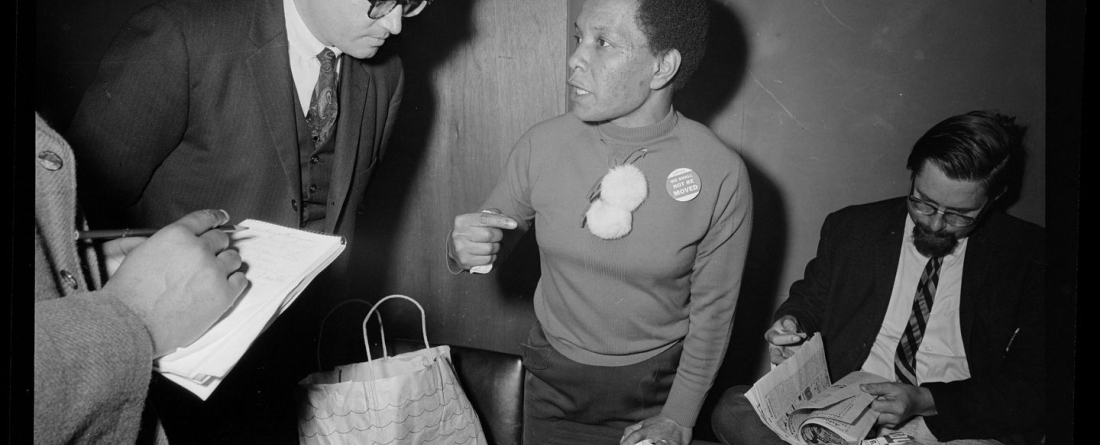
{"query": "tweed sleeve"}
pixel 92 366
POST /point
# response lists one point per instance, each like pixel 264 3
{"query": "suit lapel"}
pixel 270 68
pixel 355 81
pixel 976 269
pixel 887 252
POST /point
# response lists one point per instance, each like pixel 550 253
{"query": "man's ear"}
pixel 1003 191
pixel 668 64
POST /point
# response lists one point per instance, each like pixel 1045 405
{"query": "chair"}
pixel 493 381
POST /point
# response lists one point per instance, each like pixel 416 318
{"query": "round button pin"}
pixel 683 184
pixel 69 279
pixel 50 160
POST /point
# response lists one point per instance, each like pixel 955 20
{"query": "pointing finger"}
pixel 493 218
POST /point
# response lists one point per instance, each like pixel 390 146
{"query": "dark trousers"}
pixel 570 403
pixel 735 422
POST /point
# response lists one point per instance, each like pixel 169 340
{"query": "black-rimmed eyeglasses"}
pixel 380 8
pixel 926 208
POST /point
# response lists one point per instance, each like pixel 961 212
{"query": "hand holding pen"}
pixel 179 281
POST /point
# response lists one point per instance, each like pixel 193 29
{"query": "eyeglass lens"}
pixel 380 8
pixel 952 218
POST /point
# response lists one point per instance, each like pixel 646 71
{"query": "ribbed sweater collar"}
pixel 640 135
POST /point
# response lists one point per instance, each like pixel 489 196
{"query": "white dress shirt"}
pixel 941 357
pixel 304 48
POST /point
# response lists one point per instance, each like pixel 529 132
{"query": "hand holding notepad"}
pixel 279 263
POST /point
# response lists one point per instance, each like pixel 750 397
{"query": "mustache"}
pixel 926 233
pixel 933 244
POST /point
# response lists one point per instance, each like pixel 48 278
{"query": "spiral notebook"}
pixel 279 263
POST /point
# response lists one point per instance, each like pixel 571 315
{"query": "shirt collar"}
pixel 299 37
pixel 641 135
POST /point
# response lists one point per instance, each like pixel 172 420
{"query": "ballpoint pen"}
pixel 122 233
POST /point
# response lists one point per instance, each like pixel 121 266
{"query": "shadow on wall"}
pixel 520 274
pixel 716 82
pixel 712 89
pixel 760 284
pixel 425 43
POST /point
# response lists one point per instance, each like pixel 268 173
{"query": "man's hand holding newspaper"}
pixel 802 406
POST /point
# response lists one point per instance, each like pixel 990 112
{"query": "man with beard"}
pixel 937 291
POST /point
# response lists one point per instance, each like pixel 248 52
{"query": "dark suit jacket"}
pixel 846 290
pixel 193 108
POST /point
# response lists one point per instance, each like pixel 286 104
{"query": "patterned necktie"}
pixel 322 104
pixel 905 360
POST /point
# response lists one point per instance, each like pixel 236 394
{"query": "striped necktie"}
pixel 905 360
pixel 322 104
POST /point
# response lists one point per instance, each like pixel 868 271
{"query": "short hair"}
pixel 679 24
pixel 978 146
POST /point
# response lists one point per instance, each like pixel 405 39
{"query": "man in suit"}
pixel 278 110
pixel 938 292
pixel 203 103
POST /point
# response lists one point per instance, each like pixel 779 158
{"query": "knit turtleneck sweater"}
pixel 674 277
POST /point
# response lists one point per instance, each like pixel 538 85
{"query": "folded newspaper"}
pixel 799 403
pixel 279 263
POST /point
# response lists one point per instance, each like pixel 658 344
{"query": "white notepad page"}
pixel 280 262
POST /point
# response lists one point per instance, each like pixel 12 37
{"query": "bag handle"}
pixel 321 331
pixel 433 355
pixel 423 325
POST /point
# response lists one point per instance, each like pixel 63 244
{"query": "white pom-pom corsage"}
pixel 615 197
pixel 607 221
pixel 624 186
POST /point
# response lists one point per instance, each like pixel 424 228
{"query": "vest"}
pixel 315 167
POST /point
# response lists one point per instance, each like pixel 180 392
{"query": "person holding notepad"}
pixel 100 318
pixel 275 110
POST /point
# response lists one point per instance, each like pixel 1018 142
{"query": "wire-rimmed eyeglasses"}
pixel 953 218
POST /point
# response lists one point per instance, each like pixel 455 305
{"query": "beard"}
pixel 933 244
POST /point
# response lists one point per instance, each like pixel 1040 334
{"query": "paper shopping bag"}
pixel 411 398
